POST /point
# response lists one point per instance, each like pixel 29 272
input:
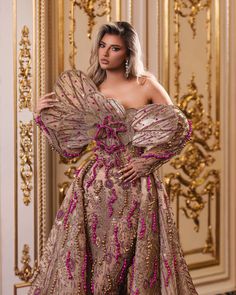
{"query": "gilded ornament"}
pixel 190 9
pixel 93 9
pixel 25 88
pixel 26 160
pixel 197 183
pixel 27 272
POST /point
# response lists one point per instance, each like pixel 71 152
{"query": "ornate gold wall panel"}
pixel 193 178
pixel 30 148
pixel 188 65
pixel 25 98
pixel 26 160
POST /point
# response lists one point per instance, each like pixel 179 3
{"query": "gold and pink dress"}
pixel 112 237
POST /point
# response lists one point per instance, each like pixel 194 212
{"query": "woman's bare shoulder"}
pixel 156 92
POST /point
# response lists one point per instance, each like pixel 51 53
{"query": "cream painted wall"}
pixel 207 284
pixel 7 276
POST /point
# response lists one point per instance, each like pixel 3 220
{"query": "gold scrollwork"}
pixel 197 182
pixel 93 9
pixel 27 272
pixel 70 173
pixel 26 160
pixel 201 186
pixel 25 89
pixel 190 9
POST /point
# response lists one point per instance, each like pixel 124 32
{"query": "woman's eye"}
pixel 100 45
pixel 116 48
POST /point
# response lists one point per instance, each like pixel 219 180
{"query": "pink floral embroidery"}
pixel 168 154
pixel 111 202
pixel 71 208
pixel 94 228
pixel 143 228
pixel 148 183
pixel 131 213
pixel 117 255
pixel 154 222
pixel 70 155
pixel 91 180
pixel 154 276
pixel 167 266
pixel 84 266
pixel 39 122
pixel 68 266
pixel 121 277
pixel 110 128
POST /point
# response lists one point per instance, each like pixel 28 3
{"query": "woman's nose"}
pixel 106 52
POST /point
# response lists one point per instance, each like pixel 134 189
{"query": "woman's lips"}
pixel 104 61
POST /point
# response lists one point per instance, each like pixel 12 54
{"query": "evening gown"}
pixel 112 237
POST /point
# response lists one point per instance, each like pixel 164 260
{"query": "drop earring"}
pixel 127 68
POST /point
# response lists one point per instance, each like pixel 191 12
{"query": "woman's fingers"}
pixel 127 174
pixel 47 99
pixel 131 177
pixel 49 94
pixel 136 177
pixel 43 106
pixel 49 102
pixel 127 168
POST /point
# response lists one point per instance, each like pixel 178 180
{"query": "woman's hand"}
pixel 136 168
pixel 46 101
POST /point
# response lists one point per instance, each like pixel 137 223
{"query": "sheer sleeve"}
pixel 163 131
pixel 71 124
pixel 52 137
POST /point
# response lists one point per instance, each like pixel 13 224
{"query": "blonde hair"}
pixel 131 39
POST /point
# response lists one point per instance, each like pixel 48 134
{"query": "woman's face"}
pixel 111 52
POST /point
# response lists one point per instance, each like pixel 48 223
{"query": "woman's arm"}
pixel 160 153
pixel 156 92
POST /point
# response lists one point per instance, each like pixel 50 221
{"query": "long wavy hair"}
pixel 131 39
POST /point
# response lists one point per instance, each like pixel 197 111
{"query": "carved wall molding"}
pixel 93 9
pixel 27 272
pixel 194 183
pixel 26 160
pixel 190 9
pixel 30 146
pixel 25 88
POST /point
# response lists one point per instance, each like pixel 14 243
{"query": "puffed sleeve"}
pixel 54 140
pixel 70 125
pixel 162 130
pixel 65 124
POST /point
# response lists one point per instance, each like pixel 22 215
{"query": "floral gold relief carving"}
pixel 93 9
pixel 27 272
pixel 26 160
pixel 70 173
pixel 190 9
pixel 198 185
pixel 25 89
pixel 194 184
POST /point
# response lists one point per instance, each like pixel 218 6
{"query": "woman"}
pixel 114 232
